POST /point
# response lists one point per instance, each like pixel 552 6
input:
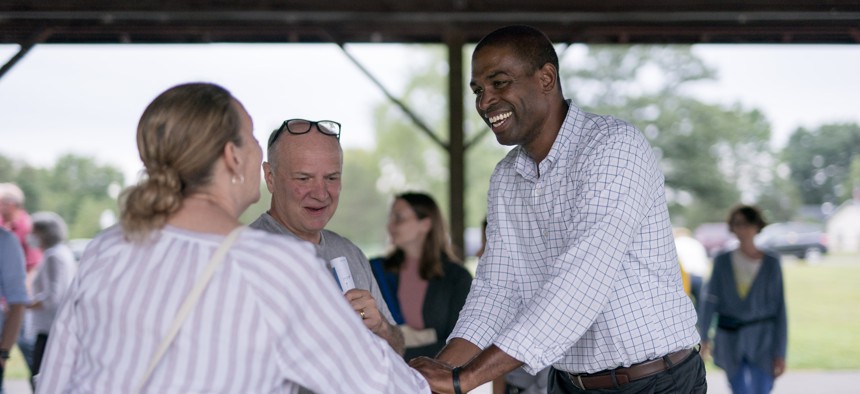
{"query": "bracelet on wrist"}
pixel 455 376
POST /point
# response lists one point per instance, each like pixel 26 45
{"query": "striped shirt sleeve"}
pixel 270 319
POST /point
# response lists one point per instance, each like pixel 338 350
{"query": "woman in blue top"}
pixel 746 294
pixel 421 279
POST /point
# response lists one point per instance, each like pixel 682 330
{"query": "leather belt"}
pixel 621 376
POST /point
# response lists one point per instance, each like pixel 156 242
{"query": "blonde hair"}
pixel 180 136
pixel 11 193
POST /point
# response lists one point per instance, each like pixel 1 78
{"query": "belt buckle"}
pixel 576 379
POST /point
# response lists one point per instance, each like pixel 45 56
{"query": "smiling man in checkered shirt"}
pixel 580 270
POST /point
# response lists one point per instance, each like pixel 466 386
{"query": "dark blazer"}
pixel 442 303
pixel 760 331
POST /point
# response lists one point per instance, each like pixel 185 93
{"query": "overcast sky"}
pixel 87 99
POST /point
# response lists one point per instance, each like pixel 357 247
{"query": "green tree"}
pixel 782 200
pixel 363 210
pixel 34 182
pixel 852 182
pixel 411 160
pixel 820 161
pixel 712 156
pixel 90 212
pixel 79 182
pixel 76 187
pixel 7 169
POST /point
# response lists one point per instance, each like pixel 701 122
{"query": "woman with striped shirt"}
pixel 269 318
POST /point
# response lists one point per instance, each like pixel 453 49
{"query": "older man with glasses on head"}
pixel 303 173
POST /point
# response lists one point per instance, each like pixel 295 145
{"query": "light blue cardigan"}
pixel 759 342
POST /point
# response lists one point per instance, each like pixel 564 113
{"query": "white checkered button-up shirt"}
pixel 580 269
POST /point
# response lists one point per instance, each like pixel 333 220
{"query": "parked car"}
pixel 795 238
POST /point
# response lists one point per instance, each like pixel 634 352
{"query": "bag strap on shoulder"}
pixel 189 303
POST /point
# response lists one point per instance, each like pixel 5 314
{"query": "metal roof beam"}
pixel 25 48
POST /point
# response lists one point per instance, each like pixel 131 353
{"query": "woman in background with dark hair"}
pixel 746 293
pixel 422 281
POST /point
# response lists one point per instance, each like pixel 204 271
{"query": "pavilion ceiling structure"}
pixel 453 23
pixel 428 21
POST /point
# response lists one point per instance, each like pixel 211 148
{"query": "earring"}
pixel 241 179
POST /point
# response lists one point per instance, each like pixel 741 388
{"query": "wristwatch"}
pixel 4 354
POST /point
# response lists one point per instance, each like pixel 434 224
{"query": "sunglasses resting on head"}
pixel 303 126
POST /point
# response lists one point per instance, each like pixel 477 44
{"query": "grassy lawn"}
pixel 16 368
pixel 823 316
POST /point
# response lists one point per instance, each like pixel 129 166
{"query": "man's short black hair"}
pixel 530 44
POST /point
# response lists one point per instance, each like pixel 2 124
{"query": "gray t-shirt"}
pixel 332 246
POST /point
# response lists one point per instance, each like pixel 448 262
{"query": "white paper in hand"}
pixel 344 277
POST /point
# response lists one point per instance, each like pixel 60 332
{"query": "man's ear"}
pixel 269 176
pixel 548 75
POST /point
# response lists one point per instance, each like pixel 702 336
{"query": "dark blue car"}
pixel 795 238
